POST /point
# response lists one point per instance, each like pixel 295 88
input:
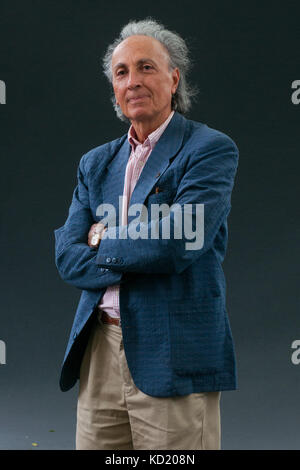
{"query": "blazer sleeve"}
pixel 207 181
pixel 74 259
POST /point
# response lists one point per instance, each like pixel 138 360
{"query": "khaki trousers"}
pixel 113 414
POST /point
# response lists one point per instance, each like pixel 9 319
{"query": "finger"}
pixel 99 227
pixel 91 233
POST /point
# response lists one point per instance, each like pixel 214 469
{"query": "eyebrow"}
pixel 139 62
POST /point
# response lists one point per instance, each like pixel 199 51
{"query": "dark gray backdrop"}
pixel 58 107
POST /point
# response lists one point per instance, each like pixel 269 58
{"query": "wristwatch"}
pixel 95 240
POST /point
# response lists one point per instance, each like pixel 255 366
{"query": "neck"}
pixel 145 127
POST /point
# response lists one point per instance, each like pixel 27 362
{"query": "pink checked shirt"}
pixel 136 162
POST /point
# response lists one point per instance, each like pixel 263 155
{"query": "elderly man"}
pixel 151 342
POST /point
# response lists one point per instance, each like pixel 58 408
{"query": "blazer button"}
pixel 108 260
pixel 114 260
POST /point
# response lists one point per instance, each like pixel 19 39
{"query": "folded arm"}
pixel 208 181
pixel 74 259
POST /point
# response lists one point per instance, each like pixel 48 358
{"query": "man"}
pixel 151 342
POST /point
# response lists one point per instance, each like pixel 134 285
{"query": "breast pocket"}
pixel 164 195
pixel 159 204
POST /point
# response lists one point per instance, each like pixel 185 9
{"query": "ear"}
pixel 176 77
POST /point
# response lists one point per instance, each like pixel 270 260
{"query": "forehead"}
pixel 139 46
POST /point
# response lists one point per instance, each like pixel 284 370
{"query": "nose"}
pixel 133 79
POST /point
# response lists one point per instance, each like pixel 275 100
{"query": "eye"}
pixel 147 66
pixel 120 72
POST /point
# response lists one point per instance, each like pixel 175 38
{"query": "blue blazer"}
pixel 176 332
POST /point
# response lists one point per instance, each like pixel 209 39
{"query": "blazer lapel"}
pixel 166 148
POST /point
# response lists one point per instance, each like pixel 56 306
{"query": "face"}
pixel 142 81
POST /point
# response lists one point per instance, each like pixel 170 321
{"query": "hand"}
pixel 95 234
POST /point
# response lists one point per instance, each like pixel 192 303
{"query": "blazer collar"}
pixel 165 149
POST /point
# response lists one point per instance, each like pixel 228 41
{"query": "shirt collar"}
pixel 152 138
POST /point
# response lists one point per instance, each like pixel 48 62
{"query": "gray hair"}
pixel 178 57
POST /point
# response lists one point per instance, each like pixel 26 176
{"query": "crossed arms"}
pixel 208 180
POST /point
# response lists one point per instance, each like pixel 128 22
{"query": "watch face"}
pixel 95 239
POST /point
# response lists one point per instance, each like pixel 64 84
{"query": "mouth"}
pixel 136 99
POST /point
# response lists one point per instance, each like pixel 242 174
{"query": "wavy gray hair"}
pixel 178 57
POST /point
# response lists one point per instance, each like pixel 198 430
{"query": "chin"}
pixel 137 111
pixel 138 116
